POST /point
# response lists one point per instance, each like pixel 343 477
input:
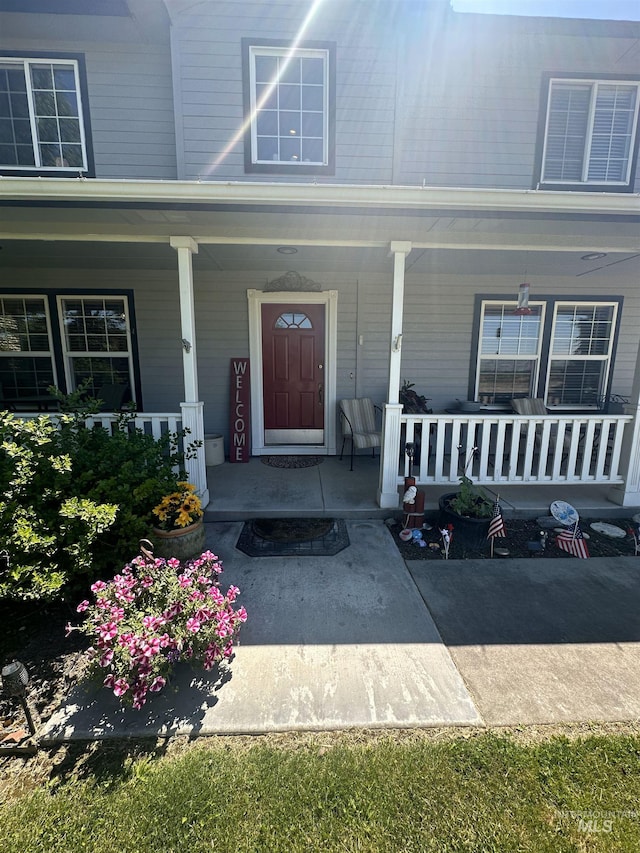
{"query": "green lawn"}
pixel 350 792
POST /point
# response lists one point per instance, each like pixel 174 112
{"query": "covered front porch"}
pixel 331 490
pixel 402 276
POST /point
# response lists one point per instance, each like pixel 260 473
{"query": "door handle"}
pixel 320 389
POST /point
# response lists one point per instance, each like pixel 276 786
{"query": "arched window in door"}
pixel 293 320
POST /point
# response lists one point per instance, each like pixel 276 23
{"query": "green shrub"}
pixel 76 500
pixel 47 529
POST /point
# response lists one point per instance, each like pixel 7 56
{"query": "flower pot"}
pixel 469 532
pixel 182 542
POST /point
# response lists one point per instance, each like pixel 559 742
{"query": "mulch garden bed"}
pixel 519 532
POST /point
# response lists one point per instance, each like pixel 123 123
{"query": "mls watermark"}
pixel 597 820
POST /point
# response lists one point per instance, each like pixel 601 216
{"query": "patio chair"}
pixel 358 419
pixel 113 397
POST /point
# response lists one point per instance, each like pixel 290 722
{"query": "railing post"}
pixel 193 420
pixel 628 493
pixel 388 496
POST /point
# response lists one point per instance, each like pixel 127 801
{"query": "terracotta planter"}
pixel 183 543
pixel 469 532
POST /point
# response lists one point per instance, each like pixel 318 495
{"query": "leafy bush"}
pixel 471 501
pixel 46 527
pixel 76 500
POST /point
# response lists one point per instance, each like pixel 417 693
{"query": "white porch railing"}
pixel 153 423
pixel 513 448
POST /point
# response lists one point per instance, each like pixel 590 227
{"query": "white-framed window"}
pixel 562 351
pixel 27 365
pixel 288 100
pixel 580 354
pixel 508 352
pixel 590 132
pixel 41 116
pixel 96 341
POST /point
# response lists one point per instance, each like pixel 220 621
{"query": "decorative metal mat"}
pixel 292 461
pixel 327 544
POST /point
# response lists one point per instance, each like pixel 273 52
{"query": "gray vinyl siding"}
pixel 472 117
pixel 130 104
pixel 208 74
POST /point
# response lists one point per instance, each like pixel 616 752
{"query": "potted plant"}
pixel 179 531
pixel 151 616
pixel 469 510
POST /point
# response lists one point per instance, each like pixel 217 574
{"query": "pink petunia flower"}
pixel 157 684
pixel 98 586
pixel 108 631
pixel 82 606
pixel 233 593
pixel 193 625
pixel 120 687
pixel 173 563
pixel 106 658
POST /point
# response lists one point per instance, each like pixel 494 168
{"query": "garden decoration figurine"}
pixel 179 532
pixel 447 536
pixel 154 614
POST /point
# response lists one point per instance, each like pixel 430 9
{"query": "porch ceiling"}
pixel 334 229
pixel 312 260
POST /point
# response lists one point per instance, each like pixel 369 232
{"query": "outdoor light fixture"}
pixel 186 345
pixel 14 683
pixel 594 256
pixel 410 450
pixel 287 250
pixel 523 301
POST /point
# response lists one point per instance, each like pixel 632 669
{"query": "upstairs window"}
pixel 590 137
pixel 289 102
pixel 42 124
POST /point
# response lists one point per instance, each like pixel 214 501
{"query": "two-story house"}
pixel 347 193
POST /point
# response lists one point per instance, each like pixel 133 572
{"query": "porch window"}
pixel 27 367
pixel 590 133
pixel 562 352
pixel 289 104
pixel 581 346
pixel 509 359
pixel 42 125
pixel 96 341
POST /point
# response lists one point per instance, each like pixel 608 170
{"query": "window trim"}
pixel 248 87
pixel 68 355
pixel 545 102
pixel 51 296
pixel 551 301
pixel 78 61
pixel 50 354
pixel 536 357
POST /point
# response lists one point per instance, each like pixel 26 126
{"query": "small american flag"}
pixel 496 525
pixel 573 542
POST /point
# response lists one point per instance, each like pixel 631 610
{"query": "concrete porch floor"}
pixel 241 491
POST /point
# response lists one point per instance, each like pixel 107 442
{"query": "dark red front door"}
pixel 293 373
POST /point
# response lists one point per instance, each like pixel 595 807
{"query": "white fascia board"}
pixel 116 192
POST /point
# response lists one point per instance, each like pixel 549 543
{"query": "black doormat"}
pixel 293 537
pixel 292 461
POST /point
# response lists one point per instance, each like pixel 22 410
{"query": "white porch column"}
pixel 388 484
pixel 400 251
pixel 192 408
pixel 628 494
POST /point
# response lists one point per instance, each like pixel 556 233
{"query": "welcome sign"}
pixel 240 404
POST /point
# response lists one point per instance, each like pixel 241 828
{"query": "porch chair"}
pixel 358 420
pixel 534 406
pixel 113 397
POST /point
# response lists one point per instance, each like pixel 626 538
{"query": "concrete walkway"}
pixel 330 643
pixel 364 640
pixel 541 640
